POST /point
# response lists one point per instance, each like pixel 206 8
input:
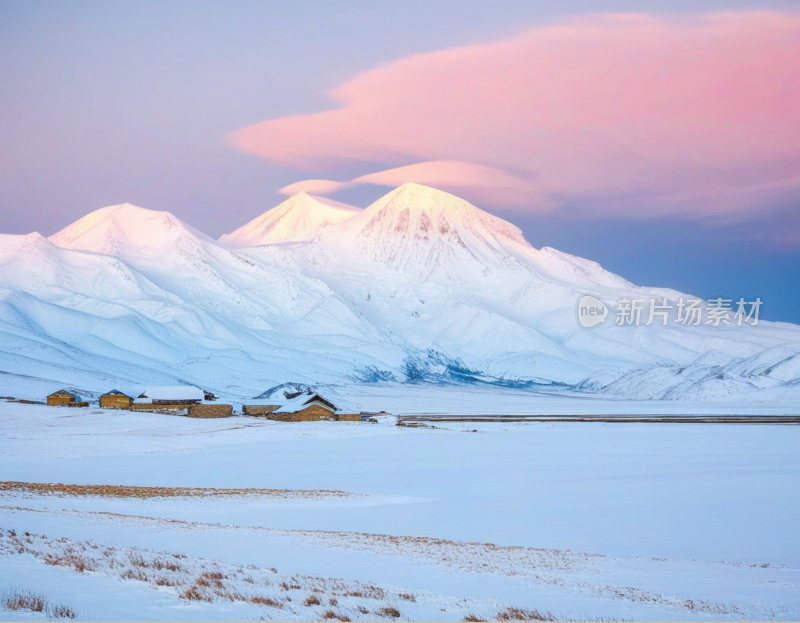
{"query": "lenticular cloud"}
pixel 638 115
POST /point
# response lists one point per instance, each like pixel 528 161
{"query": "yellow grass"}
pixel 126 491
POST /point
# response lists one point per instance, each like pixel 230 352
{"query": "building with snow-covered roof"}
pixel 300 400
pixel 177 395
pixel 305 406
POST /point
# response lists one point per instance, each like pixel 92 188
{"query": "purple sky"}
pixel 106 102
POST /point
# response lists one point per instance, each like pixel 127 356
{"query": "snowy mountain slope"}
pixel 198 273
pixel 90 307
pixel 453 279
pixel 299 218
pixel 420 287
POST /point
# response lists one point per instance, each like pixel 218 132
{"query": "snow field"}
pixel 582 521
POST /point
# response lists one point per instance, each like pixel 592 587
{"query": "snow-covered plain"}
pixel 583 521
pixel 420 288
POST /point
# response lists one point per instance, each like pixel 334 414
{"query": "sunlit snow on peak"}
pixel 299 218
pixel 125 228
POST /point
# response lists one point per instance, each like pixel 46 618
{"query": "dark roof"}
pixel 318 398
pixel 300 402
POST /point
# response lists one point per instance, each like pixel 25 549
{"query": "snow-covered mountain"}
pixel 419 287
pixel 127 230
pixel 297 219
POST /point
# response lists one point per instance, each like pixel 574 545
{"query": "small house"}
pixel 305 408
pixel 115 399
pixel 62 397
pixel 171 397
pixel 296 407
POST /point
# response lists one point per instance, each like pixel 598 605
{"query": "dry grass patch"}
pixel 388 612
pixel 60 611
pixel 124 491
pixel 312 600
pixel 169 565
pixel 230 595
pixel 265 601
pixel 330 615
pixel 365 591
pixel 135 574
pixel 23 599
pixel 524 614
pixel 214 577
pixel 137 560
pixel 72 559
pixel 163 580
pixel 193 593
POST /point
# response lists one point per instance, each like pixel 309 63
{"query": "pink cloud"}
pixel 639 114
pixel 479 182
pixel 314 187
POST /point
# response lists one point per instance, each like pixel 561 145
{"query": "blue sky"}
pixel 106 102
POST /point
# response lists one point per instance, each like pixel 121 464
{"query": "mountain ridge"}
pixel 419 287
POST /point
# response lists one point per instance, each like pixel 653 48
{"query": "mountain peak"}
pixel 421 197
pixel 124 226
pixel 431 205
pixel 415 223
pixel 423 230
pixel 419 188
pixel 297 219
